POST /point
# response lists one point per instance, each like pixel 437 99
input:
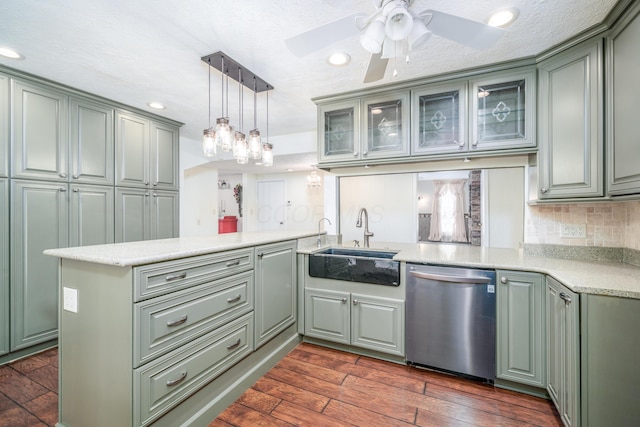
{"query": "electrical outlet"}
pixel 70 299
pixel 574 231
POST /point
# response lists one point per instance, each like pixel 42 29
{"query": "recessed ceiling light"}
pixel 290 170
pixel 504 17
pixel 338 59
pixel 156 105
pixel 10 53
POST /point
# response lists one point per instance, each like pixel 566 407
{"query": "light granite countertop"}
pixel 589 277
pixel 150 251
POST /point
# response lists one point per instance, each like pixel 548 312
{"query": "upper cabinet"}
pixel 4 126
pixel 146 153
pixel 438 115
pixel 570 123
pixel 503 110
pixel 39 132
pixel 623 92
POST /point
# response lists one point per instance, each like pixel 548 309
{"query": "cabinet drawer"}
pixel 168 381
pixel 161 278
pixel 166 322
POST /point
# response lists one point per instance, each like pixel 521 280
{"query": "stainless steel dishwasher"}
pixel 451 320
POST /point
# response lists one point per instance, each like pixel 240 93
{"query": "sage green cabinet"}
pixel 503 110
pixel 563 351
pixel 520 340
pixel 385 125
pixel 571 123
pixel 91 142
pixel 339 131
pixel 39 132
pixel 439 118
pixel 354 319
pixel 4 126
pixel 39 217
pixel 91 215
pixel 4 267
pixel 275 283
pixel 145 214
pixel 146 153
pixel 623 140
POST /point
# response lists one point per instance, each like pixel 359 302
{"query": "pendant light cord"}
pixel 209 93
pixel 255 104
pixel 222 87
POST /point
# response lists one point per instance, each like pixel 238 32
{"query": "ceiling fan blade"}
pixel 461 30
pixel 324 35
pixel 376 69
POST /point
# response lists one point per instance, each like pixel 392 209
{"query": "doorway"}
pixel 271 205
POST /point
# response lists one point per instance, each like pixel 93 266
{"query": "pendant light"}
pixel 240 152
pixel 267 148
pixel 209 134
pixel 255 144
pixel 223 131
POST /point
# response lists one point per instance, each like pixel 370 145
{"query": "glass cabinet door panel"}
pixel 438 120
pixel 386 130
pixel 338 131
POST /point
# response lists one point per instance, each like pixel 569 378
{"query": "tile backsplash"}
pixel 614 224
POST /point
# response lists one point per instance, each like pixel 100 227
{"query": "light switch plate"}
pixel 70 299
pixel 573 231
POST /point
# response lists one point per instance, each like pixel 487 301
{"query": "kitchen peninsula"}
pixel 170 332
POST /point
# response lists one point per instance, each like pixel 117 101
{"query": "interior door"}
pixel 271 205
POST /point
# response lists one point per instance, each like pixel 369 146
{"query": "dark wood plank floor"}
pixel 312 386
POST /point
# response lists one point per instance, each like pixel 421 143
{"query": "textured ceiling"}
pixel 149 50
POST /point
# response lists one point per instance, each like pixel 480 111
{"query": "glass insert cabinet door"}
pixel 339 130
pixel 503 112
pixel 439 119
pixel 386 126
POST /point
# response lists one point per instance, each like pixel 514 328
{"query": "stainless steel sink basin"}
pixel 355 265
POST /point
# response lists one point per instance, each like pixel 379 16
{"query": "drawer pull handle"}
pixel 178 380
pixel 566 298
pixel 232 263
pixel 234 345
pixel 178 321
pixel 234 299
pixel 176 276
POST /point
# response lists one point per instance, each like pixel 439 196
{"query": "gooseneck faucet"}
pixel 319 241
pixel 367 233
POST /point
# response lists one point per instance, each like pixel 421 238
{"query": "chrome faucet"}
pixel 319 241
pixel 367 233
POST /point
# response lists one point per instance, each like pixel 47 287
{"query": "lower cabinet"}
pixel 563 351
pixel 145 214
pixel 276 298
pixel 520 323
pixel 4 265
pixel 354 319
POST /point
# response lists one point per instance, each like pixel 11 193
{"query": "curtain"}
pixel 447 215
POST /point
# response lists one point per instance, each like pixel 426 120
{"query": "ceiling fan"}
pixel 394 29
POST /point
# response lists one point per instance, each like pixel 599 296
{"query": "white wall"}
pixel 504 223
pixel 198 202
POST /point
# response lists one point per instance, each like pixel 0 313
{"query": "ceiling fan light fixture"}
pixel 373 36
pixel 419 34
pixel 399 21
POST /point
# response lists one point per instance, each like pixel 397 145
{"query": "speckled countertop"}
pixel 590 277
pixel 150 251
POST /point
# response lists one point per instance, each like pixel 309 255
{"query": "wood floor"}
pixel 312 386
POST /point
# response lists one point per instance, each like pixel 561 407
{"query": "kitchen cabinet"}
pixel 146 153
pixel 91 142
pixel 275 283
pixel 39 221
pixel 502 114
pixel 4 267
pixel 40 143
pixel 623 141
pixel 571 123
pixel 4 126
pixel 145 214
pixel 563 351
pixel 439 118
pixel 91 215
pixel 354 319
pixel 520 314
pixel 339 131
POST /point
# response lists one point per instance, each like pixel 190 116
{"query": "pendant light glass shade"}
pixel 240 149
pixel 267 154
pixel 224 134
pixel 209 142
pixel 255 145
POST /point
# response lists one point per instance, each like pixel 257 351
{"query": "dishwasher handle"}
pixel 452 279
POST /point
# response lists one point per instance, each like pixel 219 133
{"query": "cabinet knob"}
pixel 344 300
pixel 76 190
pixel 460 145
pixel 146 194
pixel 365 152
pixel 74 176
pixel 504 280
pixel 355 154
pixel 63 189
pixel 155 194
pixel 544 190
pixel 62 175
pixel 474 144
pixel 155 184
pixel 566 298
pixel 355 302
pixel 146 183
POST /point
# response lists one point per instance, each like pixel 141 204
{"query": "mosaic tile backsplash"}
pixel 615 224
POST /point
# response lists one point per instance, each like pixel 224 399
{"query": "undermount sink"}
pixel 355 265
